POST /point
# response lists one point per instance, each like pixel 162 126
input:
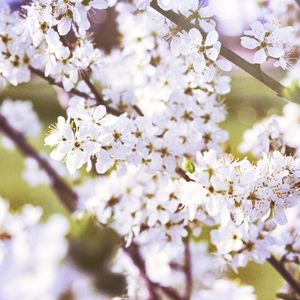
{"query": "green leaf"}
pixel 292 93
pixel 188 166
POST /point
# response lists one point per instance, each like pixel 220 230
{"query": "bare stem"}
pixel 280 268
pixel 253 69
pixel 67 196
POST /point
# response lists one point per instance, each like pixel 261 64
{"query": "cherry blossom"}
pixel 145 122
pixel 270 41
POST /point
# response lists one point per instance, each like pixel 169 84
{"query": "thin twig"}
pixel 134 253
pixel 284 296
pixel 67 196
pixel 188 269
pixel 253 69
pixel 98 96
pixel 280 268
pixel 76 92
pixel 100 99
pixel 138 110
pixel 183 175
pixel 52 81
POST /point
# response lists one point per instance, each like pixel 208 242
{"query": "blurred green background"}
pixel 248 102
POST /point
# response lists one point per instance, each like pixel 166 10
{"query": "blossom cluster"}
pixel 35 42
pixel 90 135
pixel 145 120
pixel 33 258
pixel 21 116
pixel 276 132
pixel 17 53
pixel 270 41
pixel 246 200
pixel 163 265
pixel 284 12
pixel 140 206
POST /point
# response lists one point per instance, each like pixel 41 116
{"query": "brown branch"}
pixel 183 175
pixel 134 253
pixel 101 101
pixel 252 69
pixel 76 92
pixel 298 2
pixel 284 296
pixel 280 268
pixel 67 196
pixel 98 96
pixel 52 81
pixel 138 110
pixel 188 269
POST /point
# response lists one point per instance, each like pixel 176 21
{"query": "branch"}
pixel 133 252
pixel 188 269
pixel 284 296
pixel 76 92
pixel 183 174
pixel 100 100
pixel 280 268
pixel 298 2
pixel 52 81
pixel 252 69
pixel 98 96
pixel 67 196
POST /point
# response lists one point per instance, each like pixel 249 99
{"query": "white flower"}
pixel 269 41
pixel 193 194
pixel 21 116
pixel 73 147
pixel 227 290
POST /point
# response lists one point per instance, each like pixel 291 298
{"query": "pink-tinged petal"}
pixel 199 65
pixel 100 112
pixel 175 47
pixel 152 219
pixel 212 54
pixel 206 25
pixel 258 30
pixel 67 84
pixel 260 56
pixel 206 12
pixel 64 26
pixel 249 43
pixel 211 38
pixel 224 65
pixel 99 4
pixel 104 162
pixel 275 52
pixel 212 206
pixel 143 4
pixel 196 35
pixel 279 216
